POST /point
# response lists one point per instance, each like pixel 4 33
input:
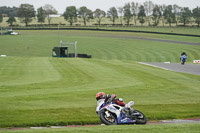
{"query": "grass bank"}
pixel 156 128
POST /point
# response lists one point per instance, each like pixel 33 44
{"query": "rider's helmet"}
pixel 183 53
pixel 100 95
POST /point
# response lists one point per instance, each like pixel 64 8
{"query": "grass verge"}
pixel 151 128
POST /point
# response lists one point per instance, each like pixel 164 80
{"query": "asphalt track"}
pixel 177 67
pixel 144 38
pixel 152 39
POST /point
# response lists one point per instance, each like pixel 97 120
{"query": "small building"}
pixel 60 51
pixel 55 15
pixel 63 51
pixel 4 15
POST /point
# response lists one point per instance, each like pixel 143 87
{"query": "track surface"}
pixel 152 39
pixel 177 67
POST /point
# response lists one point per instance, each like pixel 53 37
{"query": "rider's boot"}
pixel 128 110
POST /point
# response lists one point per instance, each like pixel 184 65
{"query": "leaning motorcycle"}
pixel 112 114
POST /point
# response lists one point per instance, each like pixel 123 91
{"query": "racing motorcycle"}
pixel 112 114
pixel 183 59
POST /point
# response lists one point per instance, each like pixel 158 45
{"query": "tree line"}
pixel 134 12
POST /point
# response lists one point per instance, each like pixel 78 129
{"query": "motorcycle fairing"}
pixel 122 119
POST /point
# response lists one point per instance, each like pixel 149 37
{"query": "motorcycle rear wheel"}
pixel 111 120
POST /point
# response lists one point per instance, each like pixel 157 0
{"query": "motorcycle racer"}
pixel 102 98
pixel 109 98
pixel 183 58
pixel 111 113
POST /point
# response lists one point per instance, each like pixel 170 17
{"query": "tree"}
pixel 112 14
pixel 196 15
pixel 11 20
pixel 41 15
pixel 25 13
pixel 149 6
pixel 120 11
pixel 162 9
pixel 127 13
pixel 141 14
pixel 176 12
pixel 49 10
pixel 185 15
pixel 10 11
pixel 70 14
pixel 135 10
pixel 169 15
pixel 85 14
pixel 99 14
pixel 1 18
pixel 156 15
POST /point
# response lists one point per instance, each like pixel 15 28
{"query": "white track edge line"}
pixel 153 66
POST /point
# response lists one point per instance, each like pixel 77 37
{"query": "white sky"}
pixel 60 5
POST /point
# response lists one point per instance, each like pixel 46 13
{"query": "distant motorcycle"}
pixel 112 114
pixel 183 59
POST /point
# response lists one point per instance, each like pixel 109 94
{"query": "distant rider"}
pixel 183 58
pixel 102 98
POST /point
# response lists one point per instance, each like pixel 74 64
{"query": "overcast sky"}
pixel 60 5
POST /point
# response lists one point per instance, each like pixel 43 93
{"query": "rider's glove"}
pixel 108 96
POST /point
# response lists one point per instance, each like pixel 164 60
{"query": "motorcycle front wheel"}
pixel 140 117
pixel 107 119
pixel 183 62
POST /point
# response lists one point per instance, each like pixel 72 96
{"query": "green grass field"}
pixel 39 90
